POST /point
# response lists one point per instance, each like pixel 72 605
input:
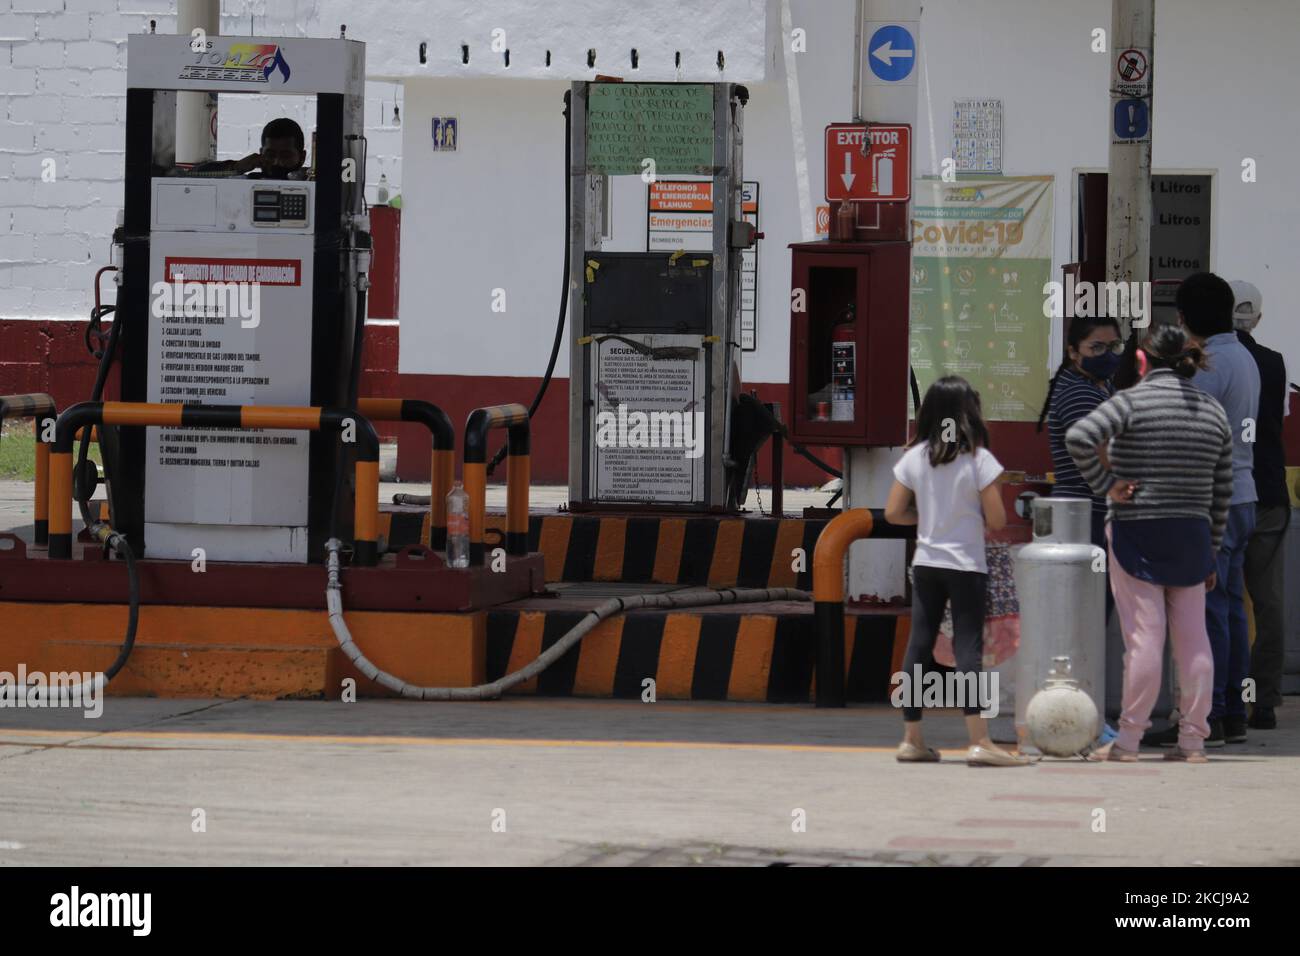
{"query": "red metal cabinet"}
pixel 386 233
pixel 870 281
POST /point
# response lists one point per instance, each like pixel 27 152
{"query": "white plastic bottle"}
pixel 457 527
pixel 382 193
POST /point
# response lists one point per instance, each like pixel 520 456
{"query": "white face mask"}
pixel 1244 322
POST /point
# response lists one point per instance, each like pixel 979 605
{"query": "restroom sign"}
pixel 868 163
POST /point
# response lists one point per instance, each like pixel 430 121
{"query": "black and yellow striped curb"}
pixel 706 551
pixel 709 655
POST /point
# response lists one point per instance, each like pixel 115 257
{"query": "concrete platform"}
pixel 604 783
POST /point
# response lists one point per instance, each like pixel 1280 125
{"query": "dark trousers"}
pixel 1225 614
pixel 932 588
pixel 1264 577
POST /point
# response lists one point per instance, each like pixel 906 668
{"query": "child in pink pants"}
pixel 1144 610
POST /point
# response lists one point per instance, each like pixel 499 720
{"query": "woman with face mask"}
pixel 1084 380
pixel 1081 384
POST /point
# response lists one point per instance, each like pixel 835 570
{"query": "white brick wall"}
pixel 63 97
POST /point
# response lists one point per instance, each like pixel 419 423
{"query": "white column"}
pixel 1128 184
pixel 878 569
pixel 196 140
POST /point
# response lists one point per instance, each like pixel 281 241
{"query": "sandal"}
pixel 911 753
pixel 1187 756
pixel 979 756
pixel 1120 755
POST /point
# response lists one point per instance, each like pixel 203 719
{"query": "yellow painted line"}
pixel 668 550
pixel 789 535
pixel 751 663
pixel 218 736
pixel 609 549
pixel 725 566
pixel 554 545
pixel 678 647
pixel 526 648
pixel 598 659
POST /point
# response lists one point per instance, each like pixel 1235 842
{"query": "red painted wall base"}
pixel 45 356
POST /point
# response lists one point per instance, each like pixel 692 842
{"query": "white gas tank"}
pixel 1061 718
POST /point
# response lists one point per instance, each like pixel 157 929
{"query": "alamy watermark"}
pixel 1119 300
pixel 626 429
pixel 82 690
pixel 931 689
pixel 215 300
pixel 132 911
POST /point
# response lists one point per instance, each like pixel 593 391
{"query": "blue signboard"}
pixel 1132 119
pixel 444 133
pixel 891 53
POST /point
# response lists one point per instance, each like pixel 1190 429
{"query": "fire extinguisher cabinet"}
pixel 848 342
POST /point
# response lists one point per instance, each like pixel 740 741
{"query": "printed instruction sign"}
pixel 649 430
pixel 679 217
pixel 981 254
pixel 977 135
pixel 628 123
pixel 749 274
pixel 202 351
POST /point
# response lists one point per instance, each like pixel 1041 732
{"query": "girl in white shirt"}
pixel 946 484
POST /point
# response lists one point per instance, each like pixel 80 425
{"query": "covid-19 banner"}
pixel 981 252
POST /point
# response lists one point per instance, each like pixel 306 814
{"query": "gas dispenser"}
pixel 237 291
pixel 655 357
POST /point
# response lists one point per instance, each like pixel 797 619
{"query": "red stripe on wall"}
pixel 43 356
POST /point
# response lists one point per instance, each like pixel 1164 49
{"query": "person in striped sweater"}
pixel 1169 482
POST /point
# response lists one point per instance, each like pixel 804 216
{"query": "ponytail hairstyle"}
pixel 1170 347
pixel 950 420
pixel 1081 327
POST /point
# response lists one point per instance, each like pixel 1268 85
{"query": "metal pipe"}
pixel 833 544
pixel 828 600
pixel 442 471
pixel 514 418
pixel 349 425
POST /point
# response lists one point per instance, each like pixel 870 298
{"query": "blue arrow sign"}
pixel 891 53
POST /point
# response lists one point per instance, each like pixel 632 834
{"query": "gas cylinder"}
pixel 1061 589
pixel 1061 719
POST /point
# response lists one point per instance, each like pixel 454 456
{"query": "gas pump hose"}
pixel 673 600
pixel 102 532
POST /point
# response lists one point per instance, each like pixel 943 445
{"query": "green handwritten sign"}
pixel 628 123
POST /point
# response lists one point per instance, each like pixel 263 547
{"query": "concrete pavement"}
pixel 601 783
pixel 598 782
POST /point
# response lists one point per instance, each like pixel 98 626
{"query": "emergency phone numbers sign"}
pixel 868 162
